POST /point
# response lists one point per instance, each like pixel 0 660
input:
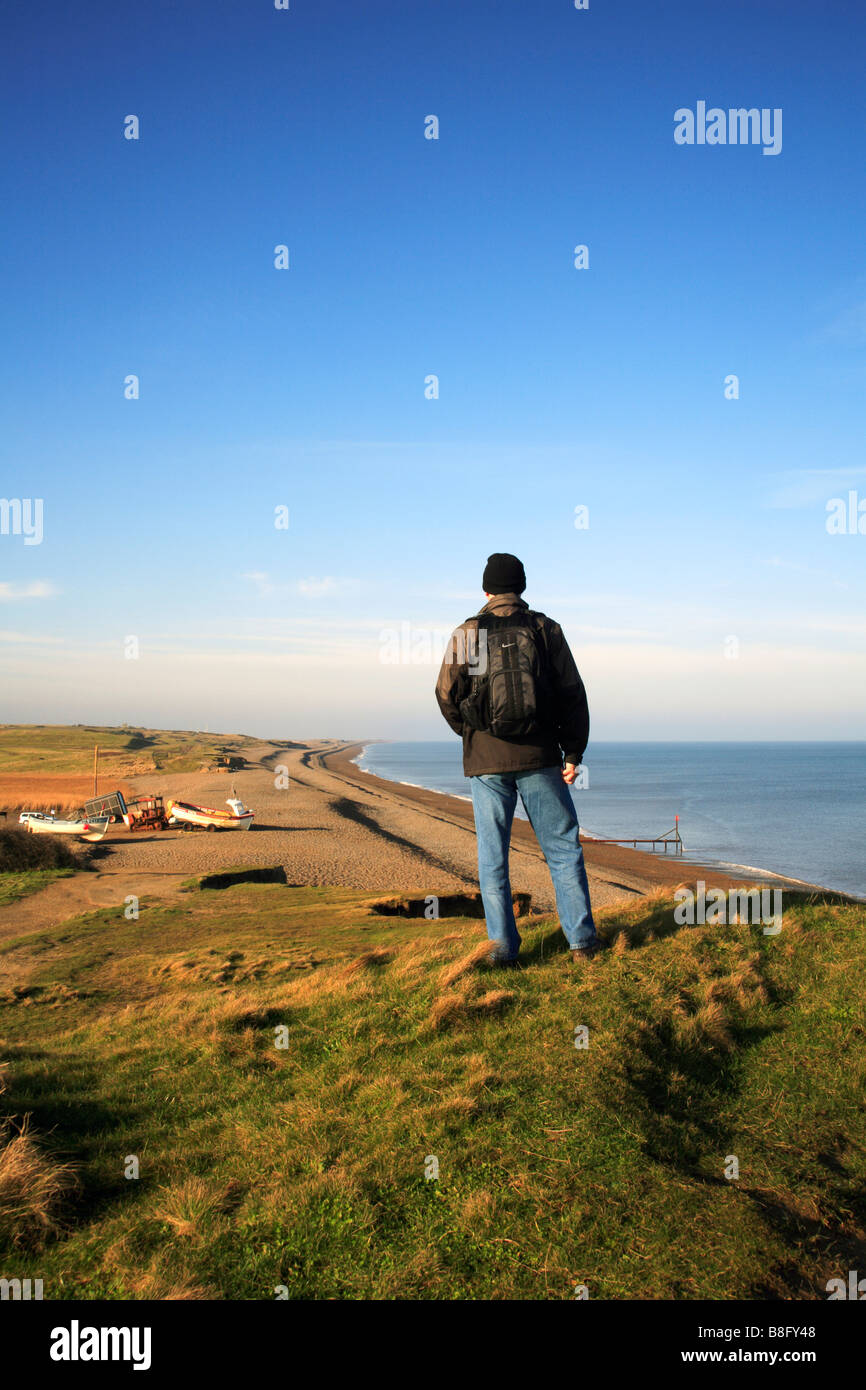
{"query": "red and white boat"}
pixel 184 813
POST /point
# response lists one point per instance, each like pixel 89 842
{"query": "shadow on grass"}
pixel 679 1087
pixel 70 1125
pixel 839 1250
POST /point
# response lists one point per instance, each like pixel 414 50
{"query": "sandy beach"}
pixel 332 825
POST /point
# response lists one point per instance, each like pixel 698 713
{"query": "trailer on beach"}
pixel 111 804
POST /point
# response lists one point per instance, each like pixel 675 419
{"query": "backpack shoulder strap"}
pixel 539 623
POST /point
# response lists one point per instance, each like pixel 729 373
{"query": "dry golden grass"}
pixel 419 956
pixel 378 956
pixel 52 997
pixel 33 1186
pixel 64 791
pixel 445 1010
pixel 156 1284
pixel 479 1072
pixel 479 955
pixel 448 1008
pixel 493 1002
pixel 711 1025
pixel 475 1091
pixel 477 1212
pixel 196 1207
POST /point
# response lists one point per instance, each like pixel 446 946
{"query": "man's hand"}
pixel 569 772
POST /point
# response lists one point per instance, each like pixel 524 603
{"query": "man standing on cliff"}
pixel 509 686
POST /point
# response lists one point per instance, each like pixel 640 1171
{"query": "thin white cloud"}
pixel 776 562
pixel 37 588
pixel 857 627
pixel 313 587
pixel 808 487
pixel 640 632
pixel 849 325
pixel 31 639
pixel 318 588
pixel 263 584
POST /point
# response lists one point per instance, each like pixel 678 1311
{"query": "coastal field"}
pixel 294 1089
pixel 51 765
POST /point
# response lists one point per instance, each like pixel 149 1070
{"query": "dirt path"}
pixel 85 892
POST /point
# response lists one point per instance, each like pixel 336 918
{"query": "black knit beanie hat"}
pixel 503 574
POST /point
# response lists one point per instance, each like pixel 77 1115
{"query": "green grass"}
pixel 18 885
pixel 68 748
pixel 558 1166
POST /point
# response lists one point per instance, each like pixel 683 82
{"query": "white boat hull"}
pixel 209 818
pixel 86 829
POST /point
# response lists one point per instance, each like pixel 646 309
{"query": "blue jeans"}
pixel 551 813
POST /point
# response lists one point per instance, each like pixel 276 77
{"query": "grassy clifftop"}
pixel 68 748
pixel 311 1165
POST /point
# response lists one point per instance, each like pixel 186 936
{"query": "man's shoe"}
pixel 512 964
pixel 581 955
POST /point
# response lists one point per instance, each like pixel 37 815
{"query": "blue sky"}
pixel 304 387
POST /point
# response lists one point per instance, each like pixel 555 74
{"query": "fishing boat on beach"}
pixel 90 829
pixel 239 817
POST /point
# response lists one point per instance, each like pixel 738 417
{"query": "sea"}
pixel 797 810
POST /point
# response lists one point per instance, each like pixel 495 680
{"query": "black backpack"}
pixel 509 694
